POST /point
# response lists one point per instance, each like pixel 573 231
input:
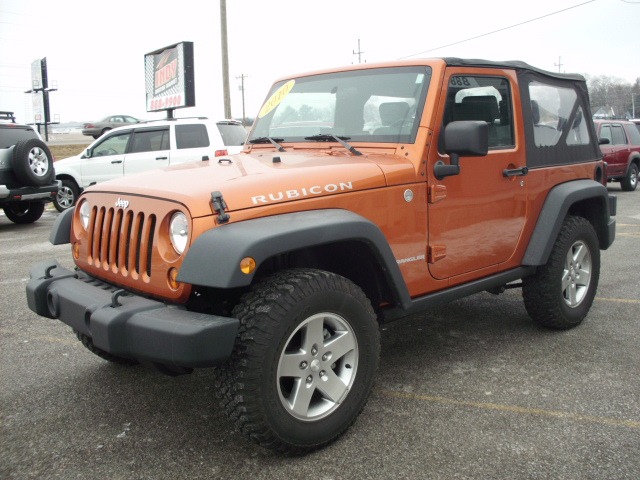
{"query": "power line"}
pixel 499 30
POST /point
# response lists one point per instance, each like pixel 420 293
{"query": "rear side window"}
pixel 10 135
pixel 633 134
pixel 552 109
pixel 557 121
pixel 617 135
pixel 150 141
pixel 191 136
pixel 232 134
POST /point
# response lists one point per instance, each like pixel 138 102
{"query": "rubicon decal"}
pixel 302 192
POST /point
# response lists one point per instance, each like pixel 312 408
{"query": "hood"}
pixel 253 179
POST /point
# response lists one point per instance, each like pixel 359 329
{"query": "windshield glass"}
pixel 376 105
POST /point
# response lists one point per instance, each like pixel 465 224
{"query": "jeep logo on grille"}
pixel 122 203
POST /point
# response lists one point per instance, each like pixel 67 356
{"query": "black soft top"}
pixel 514 64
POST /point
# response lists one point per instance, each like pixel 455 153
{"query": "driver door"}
pixel 476 217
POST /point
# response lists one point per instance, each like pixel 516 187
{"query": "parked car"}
pixel 27 177
pixel 96 129
pixel 620 144
pixel 145 146
pixel 280 265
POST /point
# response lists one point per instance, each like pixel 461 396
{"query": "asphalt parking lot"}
pixel 472 390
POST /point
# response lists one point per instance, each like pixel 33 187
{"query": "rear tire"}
pixel 630 181
pixel 561 292
pixel 24 212
pixel 304 361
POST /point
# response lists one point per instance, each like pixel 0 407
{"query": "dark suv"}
pixel 620 143
pixel 27 177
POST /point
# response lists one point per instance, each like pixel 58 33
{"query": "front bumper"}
pixel 128 325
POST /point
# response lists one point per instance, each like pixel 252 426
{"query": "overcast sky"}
pixel 95 50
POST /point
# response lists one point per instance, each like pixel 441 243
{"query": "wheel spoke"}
pixel 566 280
pixel 340 344
pixel 300 398
pixel 290 365
pixel 585 276
pixel 313 334
pixel 333 387
pixel 580 253
pixel 570 294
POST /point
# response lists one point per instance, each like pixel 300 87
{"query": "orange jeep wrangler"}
pixel 363 194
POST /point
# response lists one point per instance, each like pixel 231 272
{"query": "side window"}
pixel 605 132
pixel 482 98
pixel 618 135
pixel 633 134
pixel 112 145
pixel 552 108
pixel 191 136
pixel 150 141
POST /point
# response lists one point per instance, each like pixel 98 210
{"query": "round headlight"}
pixel 179 231
pixel 85 213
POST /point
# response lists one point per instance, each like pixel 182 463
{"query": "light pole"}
pixel 225 59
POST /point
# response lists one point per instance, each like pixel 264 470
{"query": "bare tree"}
pixel 614 96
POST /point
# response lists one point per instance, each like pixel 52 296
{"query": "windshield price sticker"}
pixel 276 98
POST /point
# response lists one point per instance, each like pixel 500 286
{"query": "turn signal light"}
pixel 173 278
pixel 247 265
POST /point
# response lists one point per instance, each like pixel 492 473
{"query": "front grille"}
pixel 122 241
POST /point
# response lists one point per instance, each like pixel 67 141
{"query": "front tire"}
pixel 304 362
pixel 67 195
pixel 561 292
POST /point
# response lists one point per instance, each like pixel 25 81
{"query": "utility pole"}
pixel 225 59
pixel 559 64
pixel 242 77
pixel 359 52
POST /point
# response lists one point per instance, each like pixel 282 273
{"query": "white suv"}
pixel 145 146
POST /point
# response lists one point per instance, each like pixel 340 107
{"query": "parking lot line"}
pixel 514 409
pixel 619 300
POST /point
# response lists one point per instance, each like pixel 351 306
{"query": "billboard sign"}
pixel 169 77
pixel 39 74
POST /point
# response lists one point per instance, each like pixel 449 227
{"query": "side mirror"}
pixel 468 138
pixel 604 141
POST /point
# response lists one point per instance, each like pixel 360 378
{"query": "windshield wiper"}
pixel 273 141
pixel 327 137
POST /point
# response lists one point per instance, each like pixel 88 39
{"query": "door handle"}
pixel 161 158
pixel 116 161
pixel 515 172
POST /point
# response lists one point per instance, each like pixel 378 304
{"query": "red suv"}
pixel 620 144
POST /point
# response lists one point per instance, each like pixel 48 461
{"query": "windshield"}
pixel 376 105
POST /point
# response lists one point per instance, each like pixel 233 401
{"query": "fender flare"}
pixel 61 230
pixel 213 259
pixel 555 209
